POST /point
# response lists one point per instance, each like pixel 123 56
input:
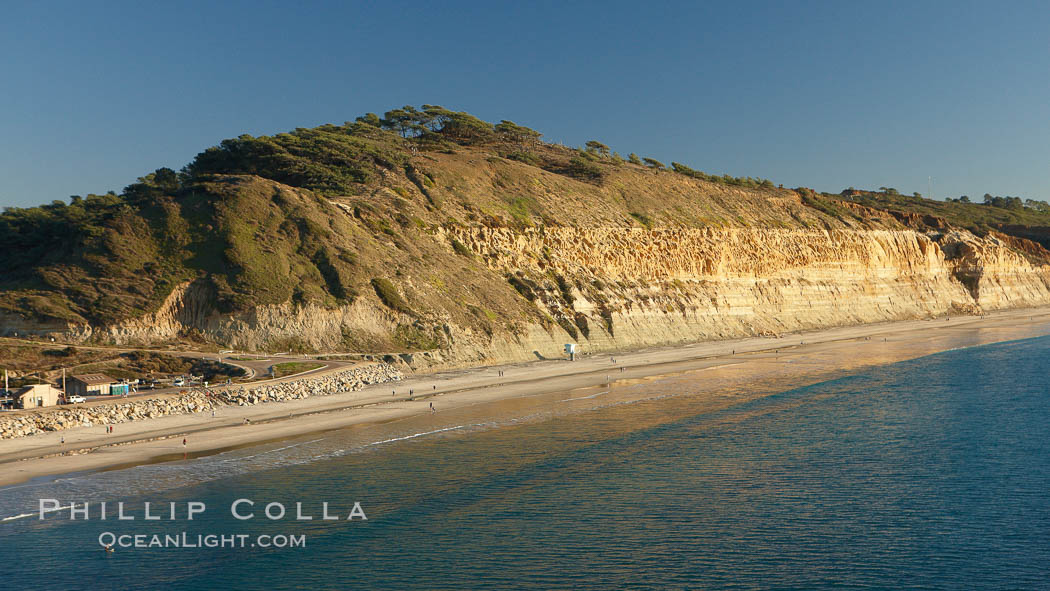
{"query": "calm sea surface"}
pixel 927 474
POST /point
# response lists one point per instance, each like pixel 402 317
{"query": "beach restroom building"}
pixel 35 395
pixel 94 384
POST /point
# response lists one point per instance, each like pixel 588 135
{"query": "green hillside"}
pixel 326 215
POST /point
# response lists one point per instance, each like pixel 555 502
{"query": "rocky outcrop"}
pixel 263 328
pixel 196 401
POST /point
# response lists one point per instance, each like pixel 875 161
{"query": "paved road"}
pixel 255 365
pixel 329 367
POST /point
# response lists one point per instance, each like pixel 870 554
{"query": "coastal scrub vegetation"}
pixel 280 370
pixel 389 295
pixel 724 179
pixel 1027 218
pixel 136 364
pixel 323 216
pixel 21 357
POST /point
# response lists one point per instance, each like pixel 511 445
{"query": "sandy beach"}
pixel 729 367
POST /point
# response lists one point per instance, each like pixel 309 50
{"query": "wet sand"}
pixel 728 368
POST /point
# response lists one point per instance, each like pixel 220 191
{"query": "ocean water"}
pixel 928 474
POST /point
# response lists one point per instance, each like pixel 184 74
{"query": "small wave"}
pixel 14 517
pixel 585 397
pixel 424 433
pixel 24 515
pixel 721 366
pixel 270 451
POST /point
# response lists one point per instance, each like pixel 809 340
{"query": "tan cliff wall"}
pixel 1000 276
pixel 681 285
pixel 618 288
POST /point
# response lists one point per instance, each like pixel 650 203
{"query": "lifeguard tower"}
pixel 570 350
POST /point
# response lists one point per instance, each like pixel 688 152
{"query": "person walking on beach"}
pixel 183 442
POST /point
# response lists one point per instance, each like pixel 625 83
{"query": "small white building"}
pixel 36 395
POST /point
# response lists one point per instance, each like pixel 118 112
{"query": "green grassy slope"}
pixel 325 215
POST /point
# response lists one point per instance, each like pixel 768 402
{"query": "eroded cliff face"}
pixel 638 287
pixel 452 250
pixel 996 271
pixel 616 288
pixel 353 239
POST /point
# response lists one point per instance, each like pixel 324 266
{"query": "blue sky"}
pixel 819 94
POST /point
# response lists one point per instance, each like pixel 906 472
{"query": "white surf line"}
pixel 24 515
pixel 658 377
pixel 585 397
pixel 14 517
pixel 415 435
pixel 720 366
pixel 270 451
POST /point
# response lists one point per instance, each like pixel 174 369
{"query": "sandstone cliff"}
pixel 449 256
pixel 618 288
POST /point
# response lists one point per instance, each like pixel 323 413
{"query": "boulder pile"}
pixel 198 400
pixel 346 381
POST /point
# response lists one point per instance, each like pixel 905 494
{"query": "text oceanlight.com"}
pixel 241 510
pixel 186 540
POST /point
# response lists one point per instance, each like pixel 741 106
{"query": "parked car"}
pixel 77 399
pixel 179 382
